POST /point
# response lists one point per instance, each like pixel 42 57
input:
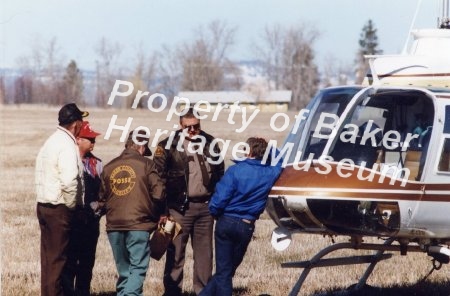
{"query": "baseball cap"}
pixel 70 113
pixel 139 138
pixel 86 131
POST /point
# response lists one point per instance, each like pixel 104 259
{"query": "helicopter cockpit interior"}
pixel 387 131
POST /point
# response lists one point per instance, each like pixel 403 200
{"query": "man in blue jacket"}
pixel 238 201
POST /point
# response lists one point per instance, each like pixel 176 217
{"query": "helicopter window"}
pixel 328 101
pixel 444 160
pixel 333 104
pixel 447 120
pixel 361 135
pixel 383 129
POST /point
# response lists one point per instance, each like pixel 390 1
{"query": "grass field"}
pixel 25 128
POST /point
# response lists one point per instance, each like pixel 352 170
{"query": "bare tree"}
pixel 144 76
pixel 335 72
pixel 53 60
pixel 288 58
pixel 270 52
pixel 106 67
pixel 204 60
pixel 2 90
pixel 42 72
pixel 171 72
pixel 23 89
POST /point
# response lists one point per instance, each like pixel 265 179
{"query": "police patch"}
pixel 159 151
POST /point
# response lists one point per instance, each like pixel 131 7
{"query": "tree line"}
pixel 285 56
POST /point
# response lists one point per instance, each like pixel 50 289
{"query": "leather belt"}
pixel 200 199
pixel 49 205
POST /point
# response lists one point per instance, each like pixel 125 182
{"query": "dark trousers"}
pixel 84 234
pixel 232 237
pixel 197 224
pixel 54 222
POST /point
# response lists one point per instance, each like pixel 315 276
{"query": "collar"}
pixel 127 151
pixel 177 138
pixel 252 161
pixel 68 133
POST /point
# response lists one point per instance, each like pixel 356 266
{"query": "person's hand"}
pixel 97 208
pixel 162 219
pixel 94 206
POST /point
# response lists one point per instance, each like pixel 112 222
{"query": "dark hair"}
pixel 258 147
pixel 70 113
pixel 189 114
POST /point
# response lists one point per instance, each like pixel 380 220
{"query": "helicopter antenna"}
pixel 445 21
pixel 419 3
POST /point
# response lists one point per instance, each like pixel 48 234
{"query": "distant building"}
pixel 268 101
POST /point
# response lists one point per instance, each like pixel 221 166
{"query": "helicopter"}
pixel 373 160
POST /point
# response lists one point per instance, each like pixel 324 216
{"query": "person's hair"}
pixel 131 144
pixel 189 114
pixel 258 147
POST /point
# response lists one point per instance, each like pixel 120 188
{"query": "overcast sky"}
pixel 79 25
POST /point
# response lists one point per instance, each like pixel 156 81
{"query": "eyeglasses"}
pixel 192 127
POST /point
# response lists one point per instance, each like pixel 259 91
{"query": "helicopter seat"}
pixel 412 162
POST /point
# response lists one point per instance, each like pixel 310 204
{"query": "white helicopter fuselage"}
pixel 375 159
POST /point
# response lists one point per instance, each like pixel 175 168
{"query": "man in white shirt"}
pixel 59 188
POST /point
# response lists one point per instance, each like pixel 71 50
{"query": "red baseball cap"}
pixel 86 131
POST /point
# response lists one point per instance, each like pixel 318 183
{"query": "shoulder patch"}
pixel 159 151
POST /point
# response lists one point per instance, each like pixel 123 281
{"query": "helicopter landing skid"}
pixel 317 260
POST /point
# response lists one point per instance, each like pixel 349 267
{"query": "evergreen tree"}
pixel 368 45
pixel 72 85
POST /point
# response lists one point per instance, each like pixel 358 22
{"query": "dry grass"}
pixel 23 131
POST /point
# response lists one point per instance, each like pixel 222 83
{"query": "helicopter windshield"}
pixel 330 101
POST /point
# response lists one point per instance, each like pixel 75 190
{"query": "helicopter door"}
pixel 386 132
pixel 433 208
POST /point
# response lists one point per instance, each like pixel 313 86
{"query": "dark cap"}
pixel 70 113
pixel 144 137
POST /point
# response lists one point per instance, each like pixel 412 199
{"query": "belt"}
pixel 200 199
pixel 49 205
pixel 248 221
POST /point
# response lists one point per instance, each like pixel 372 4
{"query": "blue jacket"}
pixel 242 192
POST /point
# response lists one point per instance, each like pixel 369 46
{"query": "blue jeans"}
pixel 232 236
pixel 131 252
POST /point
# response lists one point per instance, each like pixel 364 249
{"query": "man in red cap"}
pixel 84 230
pixel 59 187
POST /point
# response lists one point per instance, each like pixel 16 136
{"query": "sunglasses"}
pixel 192 127
pixel 92 140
